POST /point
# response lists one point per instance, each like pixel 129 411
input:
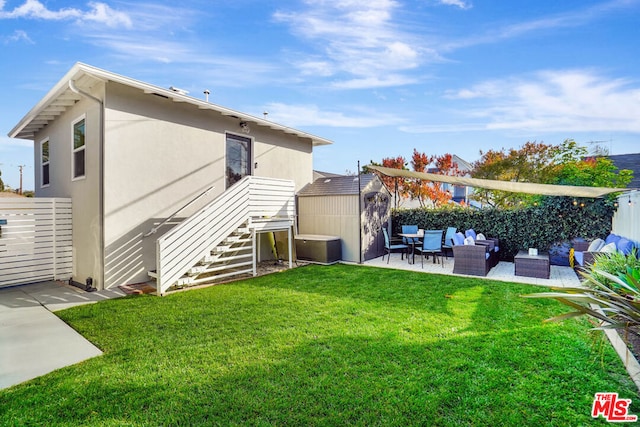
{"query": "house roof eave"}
pixel 61 97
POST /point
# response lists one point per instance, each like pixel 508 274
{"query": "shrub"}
pixel 555 220
pixel 616 264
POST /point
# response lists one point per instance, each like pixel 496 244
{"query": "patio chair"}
pixel 473 259
pixel 492 242
pixel 448 242
pixel 431 245
pixel 388 247
pixel 410 229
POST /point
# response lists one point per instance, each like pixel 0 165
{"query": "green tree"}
pixel 565 164
pixel 530 163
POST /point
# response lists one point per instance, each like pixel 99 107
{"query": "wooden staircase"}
pixel 231 257
pixel 218 242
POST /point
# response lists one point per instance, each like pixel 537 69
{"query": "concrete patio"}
pixel 504 271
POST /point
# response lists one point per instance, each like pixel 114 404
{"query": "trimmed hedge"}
pixel 555 220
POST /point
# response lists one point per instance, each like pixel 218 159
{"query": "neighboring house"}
pixel 335 206
pixel 130 154
pixel 631 162
pixel 321 174
pixel 460 193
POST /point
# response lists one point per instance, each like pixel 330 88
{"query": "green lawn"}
pixel 329 346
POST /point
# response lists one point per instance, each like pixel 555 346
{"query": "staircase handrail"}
pixel 173 215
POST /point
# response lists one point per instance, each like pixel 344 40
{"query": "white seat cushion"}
pixel 609 249
pixel 596 245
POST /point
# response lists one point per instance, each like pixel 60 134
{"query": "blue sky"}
pixel 378 77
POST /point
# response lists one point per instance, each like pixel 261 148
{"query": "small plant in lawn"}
pixel 617 264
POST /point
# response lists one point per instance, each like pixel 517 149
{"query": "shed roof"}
pixel 84 76
pixel 340 185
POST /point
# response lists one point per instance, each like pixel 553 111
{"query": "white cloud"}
pixel 574 18
pixel 374 82
pixel 311 115
pixel 548 101
pixel 459 3
pixel 102 13
pixel 357 42
pixel 98 12
pixel 17 36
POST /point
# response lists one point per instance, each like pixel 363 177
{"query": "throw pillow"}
pixel 458 239
pixel 596 245
pixel 469 241
pixel 480 236
pixel 470 233
pixel 609 248
pixel 612 238
pixel 625 246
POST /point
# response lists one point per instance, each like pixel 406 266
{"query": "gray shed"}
pixel 334 206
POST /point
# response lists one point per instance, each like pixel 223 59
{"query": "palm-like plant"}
pixel 615 301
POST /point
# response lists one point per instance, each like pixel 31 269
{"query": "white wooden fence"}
pixel 626 221
pixel 36 241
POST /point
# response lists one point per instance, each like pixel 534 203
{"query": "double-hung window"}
pixel 78 148
pixel 44 163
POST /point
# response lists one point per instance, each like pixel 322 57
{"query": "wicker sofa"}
pixel 471 259
pixel 492 242
pixel 585 252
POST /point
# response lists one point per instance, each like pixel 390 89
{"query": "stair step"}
pixel 209 262
pixel 209 259
pixel 208 270
pixel 221 249
pixel 184 281
pixel 222 276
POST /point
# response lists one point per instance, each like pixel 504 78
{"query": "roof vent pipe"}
pixel 178 90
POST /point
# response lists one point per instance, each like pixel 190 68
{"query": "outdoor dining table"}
pixel 412 238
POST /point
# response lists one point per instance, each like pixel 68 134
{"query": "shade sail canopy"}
pixel 513 187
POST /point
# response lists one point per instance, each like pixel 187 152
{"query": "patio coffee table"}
pixel 532 265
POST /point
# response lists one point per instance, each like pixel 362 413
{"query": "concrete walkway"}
pixel 33 340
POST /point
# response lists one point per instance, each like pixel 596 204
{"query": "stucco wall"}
pixel 84 191
pixel 159 155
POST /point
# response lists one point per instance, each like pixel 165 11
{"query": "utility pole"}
pixel 21 167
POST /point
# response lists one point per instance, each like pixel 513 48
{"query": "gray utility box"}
pixel 318 248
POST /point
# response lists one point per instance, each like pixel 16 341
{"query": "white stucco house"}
pixel 130 155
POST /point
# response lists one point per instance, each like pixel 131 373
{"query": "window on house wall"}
pixel 238 158
pixel 78 159
pixel 44 162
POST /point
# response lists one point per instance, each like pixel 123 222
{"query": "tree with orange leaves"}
pixel 432 192
pixel 425 192
pixel 395 185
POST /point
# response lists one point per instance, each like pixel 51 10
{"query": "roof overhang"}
pixel 84 76
pixel 514 187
